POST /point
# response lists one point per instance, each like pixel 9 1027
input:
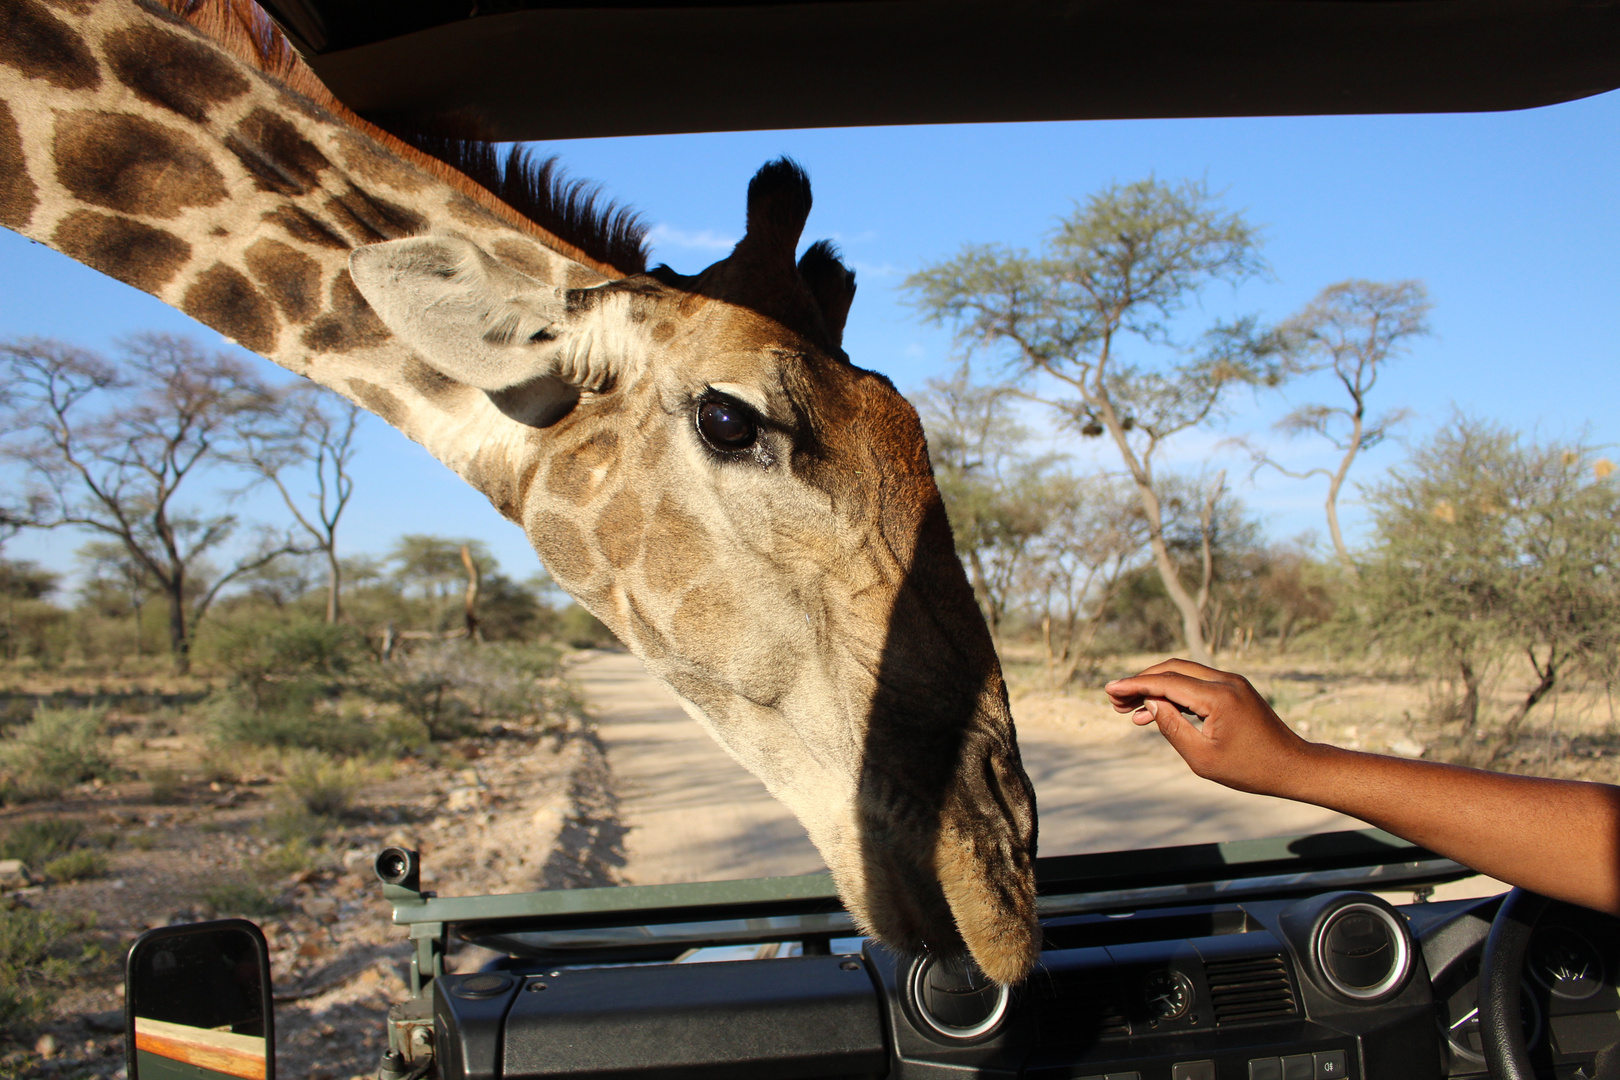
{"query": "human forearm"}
pixel 1560 838
pixel 1557 837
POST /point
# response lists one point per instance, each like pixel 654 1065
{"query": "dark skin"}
pixel 1560 838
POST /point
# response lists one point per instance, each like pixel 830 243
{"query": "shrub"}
pixel 322 786
pixel 30 963
pixel 292 856
pixel 77 865
pixel 447 686
pixel 37 842
pixel 167 784
pixel 56 748
pixel 240 898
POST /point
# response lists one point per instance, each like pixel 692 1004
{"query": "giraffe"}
pixel 694 458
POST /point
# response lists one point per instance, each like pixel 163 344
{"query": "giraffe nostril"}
pixel 726 425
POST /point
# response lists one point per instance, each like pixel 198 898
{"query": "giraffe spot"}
pixel 290 278
pixel 302 225
pixel 373 163
pixel 348 324
pixel 42 46
pixel 573 473
pixel 18 195
pixel 619 531
pixel 132 165
pixel 469 212
pixel 583 277
pixel 523 257
pixel 223 298
pixel 178 73
pixel 708 616
pixel 663 330
pixel 370 220
pixel 491 473
pixel 276 154
pixel 375 399
pixel 676 547
pixel 654 447
pixel 561 546
pixel 134 253
pixel 427 381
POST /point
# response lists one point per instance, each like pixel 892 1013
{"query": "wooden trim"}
pixel 219 1051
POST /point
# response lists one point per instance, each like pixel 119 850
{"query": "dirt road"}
pixel 693 814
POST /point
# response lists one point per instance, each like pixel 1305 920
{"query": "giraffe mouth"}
pixel 950 868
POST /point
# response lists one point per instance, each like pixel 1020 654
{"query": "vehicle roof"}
pixel 532 69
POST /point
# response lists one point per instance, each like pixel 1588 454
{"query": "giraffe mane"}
pixel 568 216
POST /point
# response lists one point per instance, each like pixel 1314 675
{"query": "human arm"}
pixel 1560 838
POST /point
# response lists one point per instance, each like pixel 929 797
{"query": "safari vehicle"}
pixel 1263 959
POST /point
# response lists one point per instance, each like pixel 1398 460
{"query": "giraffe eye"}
pixel 726 425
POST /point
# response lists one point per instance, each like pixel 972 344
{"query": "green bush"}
pixel 77 865
pixel 58 747
pixel 240 898
pixel 37 842
pixel 448 686
pixel 322 786
pixel 31 965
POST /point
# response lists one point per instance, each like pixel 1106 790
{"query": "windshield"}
pixel 1387 313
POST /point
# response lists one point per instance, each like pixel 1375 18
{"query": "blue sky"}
pixel 1511 219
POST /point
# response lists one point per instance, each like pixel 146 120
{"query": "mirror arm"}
pixel 427 963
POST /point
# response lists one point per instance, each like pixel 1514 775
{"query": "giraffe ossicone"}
pixel 694 458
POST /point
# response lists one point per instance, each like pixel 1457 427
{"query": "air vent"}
pixel 1251 988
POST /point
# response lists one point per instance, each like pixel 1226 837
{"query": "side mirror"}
pixel 197 1003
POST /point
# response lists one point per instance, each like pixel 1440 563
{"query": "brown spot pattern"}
pixel 371 163
pixel 42 46
pixel 302 225
pixel 676 546
pixel 491 473
pixel 619 531
pixel 427 381
pixel 134 253
pixel 276 154
pixel 132 165
pixel 348 324
pixel 707 615
pixel 561 546
pixel 379 401
pixel 290 278
pixel 468 212
pixel 583 277
pixel 370 220
pixel 572 475
pixel 523 257
pixel 222 297
pixel 17 191
pixel 178 73
pixel 663 330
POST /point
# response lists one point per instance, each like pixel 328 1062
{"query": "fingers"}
pixel 1199 695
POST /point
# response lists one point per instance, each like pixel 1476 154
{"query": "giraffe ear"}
pixel 469 316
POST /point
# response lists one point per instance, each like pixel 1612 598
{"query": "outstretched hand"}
pixel 1242 742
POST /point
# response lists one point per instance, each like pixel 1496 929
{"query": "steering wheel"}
pixel 1501 1027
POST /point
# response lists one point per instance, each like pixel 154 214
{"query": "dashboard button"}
pixel 1330 1065
pixel 1265 1069
pixel 1193 1070
pixel 1299 1067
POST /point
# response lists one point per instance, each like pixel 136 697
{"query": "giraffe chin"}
pixel 947 879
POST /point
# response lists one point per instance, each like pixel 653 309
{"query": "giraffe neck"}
pixel 135 144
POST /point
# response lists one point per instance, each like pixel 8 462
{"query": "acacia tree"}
pixel 1095 535
pixel 313 431
pixel 1351 329
pixel 110 447
pixel 993 494
pixel 1486 546
pixel 1120 269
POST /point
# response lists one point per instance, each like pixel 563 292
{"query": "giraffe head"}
pixel 702 467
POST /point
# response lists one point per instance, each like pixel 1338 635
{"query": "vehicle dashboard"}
pixel 1261 976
